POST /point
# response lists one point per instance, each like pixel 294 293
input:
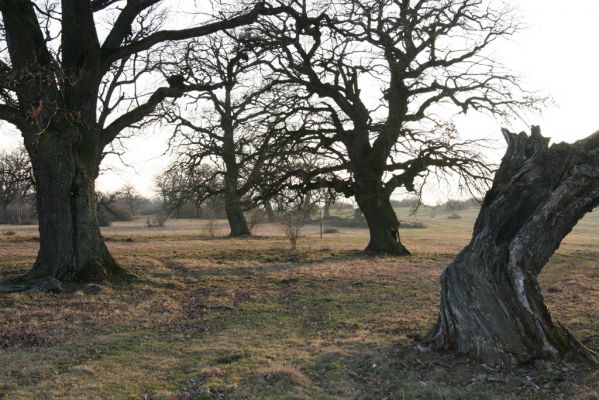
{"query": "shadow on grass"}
pixel 369 371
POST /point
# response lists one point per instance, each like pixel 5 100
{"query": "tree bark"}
pixel 71 246
pixel 382 223
pixel 4 213
pixel 269 211
pixel 368 167
pixel 491 303
pixel 327 207
pixel 237 221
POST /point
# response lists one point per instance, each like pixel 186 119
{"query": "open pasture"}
pixel 218 318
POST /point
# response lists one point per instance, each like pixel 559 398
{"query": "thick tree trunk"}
pixel 382 223
pixel 237 221
pixel 4 213
pixel 491 303
pixel 71 246
pixel 368 168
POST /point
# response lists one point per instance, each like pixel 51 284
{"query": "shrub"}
pixel 255 217
pixel 210 227
pixel 157 221
pixel 293 221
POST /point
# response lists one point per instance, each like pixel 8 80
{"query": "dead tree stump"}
pixel 491 303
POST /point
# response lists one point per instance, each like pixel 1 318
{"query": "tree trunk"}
pixel 327 207
pixel 71 246
pixel 491 303
pixel 237 222
pixel 368 168
pixel 4 213
pixel 382 223
pixel 269 211
pixel 131 207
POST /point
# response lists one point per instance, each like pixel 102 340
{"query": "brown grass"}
pixel 246 318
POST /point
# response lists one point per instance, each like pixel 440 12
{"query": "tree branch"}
pixel 142 111
pixel 113 53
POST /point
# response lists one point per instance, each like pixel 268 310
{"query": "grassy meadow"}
pixel 219 318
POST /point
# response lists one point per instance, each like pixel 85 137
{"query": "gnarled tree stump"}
pixel 491 303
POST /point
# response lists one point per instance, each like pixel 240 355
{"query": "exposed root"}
pixel 577 349
pixel 95 272
pixel 395 250
pixel 22 284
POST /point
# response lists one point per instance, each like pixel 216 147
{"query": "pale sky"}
pixel 557 54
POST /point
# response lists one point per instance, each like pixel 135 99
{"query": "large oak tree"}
pixel 378 73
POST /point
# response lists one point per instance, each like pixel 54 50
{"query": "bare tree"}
pixel 293 222
pixel 158 220
pixel 210 225
pixel 422 56
pixel 184 185
pixel 105 211
pixel 131 197
pixel 72 85
pixel 232 127
pixel 16 182
pixel 112 206
pixel 491 303
pixel 255 217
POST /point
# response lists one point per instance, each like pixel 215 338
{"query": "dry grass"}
pixel 213 318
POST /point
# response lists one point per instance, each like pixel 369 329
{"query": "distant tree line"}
pixel 17 194
pixel 124 204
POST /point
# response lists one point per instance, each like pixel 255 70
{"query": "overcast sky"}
pixel 557 54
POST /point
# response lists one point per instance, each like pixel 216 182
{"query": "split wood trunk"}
pixel 491 303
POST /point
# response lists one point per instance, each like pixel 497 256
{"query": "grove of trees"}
pixel 285 101
pixel 69 86
pixel 367 144
pixel 377 143
pixel 16 186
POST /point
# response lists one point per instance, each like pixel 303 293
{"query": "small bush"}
pixel 157 221
pixel 254 218
pixel 210 226
pixel 411 225
pixel 293 221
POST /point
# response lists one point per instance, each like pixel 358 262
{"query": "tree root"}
pixel 31 283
